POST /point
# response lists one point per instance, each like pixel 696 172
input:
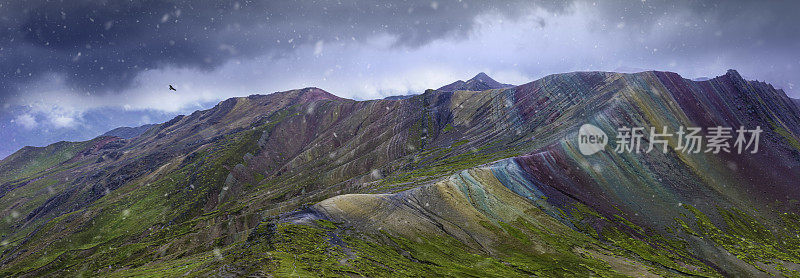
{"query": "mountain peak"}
pixel 732 73
pixel 482 76
pixel 313 93
pixel 480 82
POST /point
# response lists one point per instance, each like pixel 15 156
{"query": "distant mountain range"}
pixel 96 121
pixel 40 131
pixel 480 82
pixel 476 179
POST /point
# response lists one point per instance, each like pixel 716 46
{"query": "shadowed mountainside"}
pixel 453 182
pixel 128 132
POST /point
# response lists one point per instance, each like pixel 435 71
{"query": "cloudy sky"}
pixel 68 66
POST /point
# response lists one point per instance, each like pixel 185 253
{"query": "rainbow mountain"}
pixel 483 182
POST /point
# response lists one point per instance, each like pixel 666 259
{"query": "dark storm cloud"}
pixel 100 46
pixel 760 37
pixel 724 24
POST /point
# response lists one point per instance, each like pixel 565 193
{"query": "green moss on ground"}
pixel 750 240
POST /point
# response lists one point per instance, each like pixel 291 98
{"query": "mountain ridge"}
pixel 479 82
pixel 126 132
pixel 255 170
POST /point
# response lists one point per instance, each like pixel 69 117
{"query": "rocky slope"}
pixel 128 132
pixel 447 183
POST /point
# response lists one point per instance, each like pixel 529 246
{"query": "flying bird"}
pixel 172 88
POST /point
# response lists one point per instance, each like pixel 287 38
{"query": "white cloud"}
pixel 26 120
pixel 63 121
